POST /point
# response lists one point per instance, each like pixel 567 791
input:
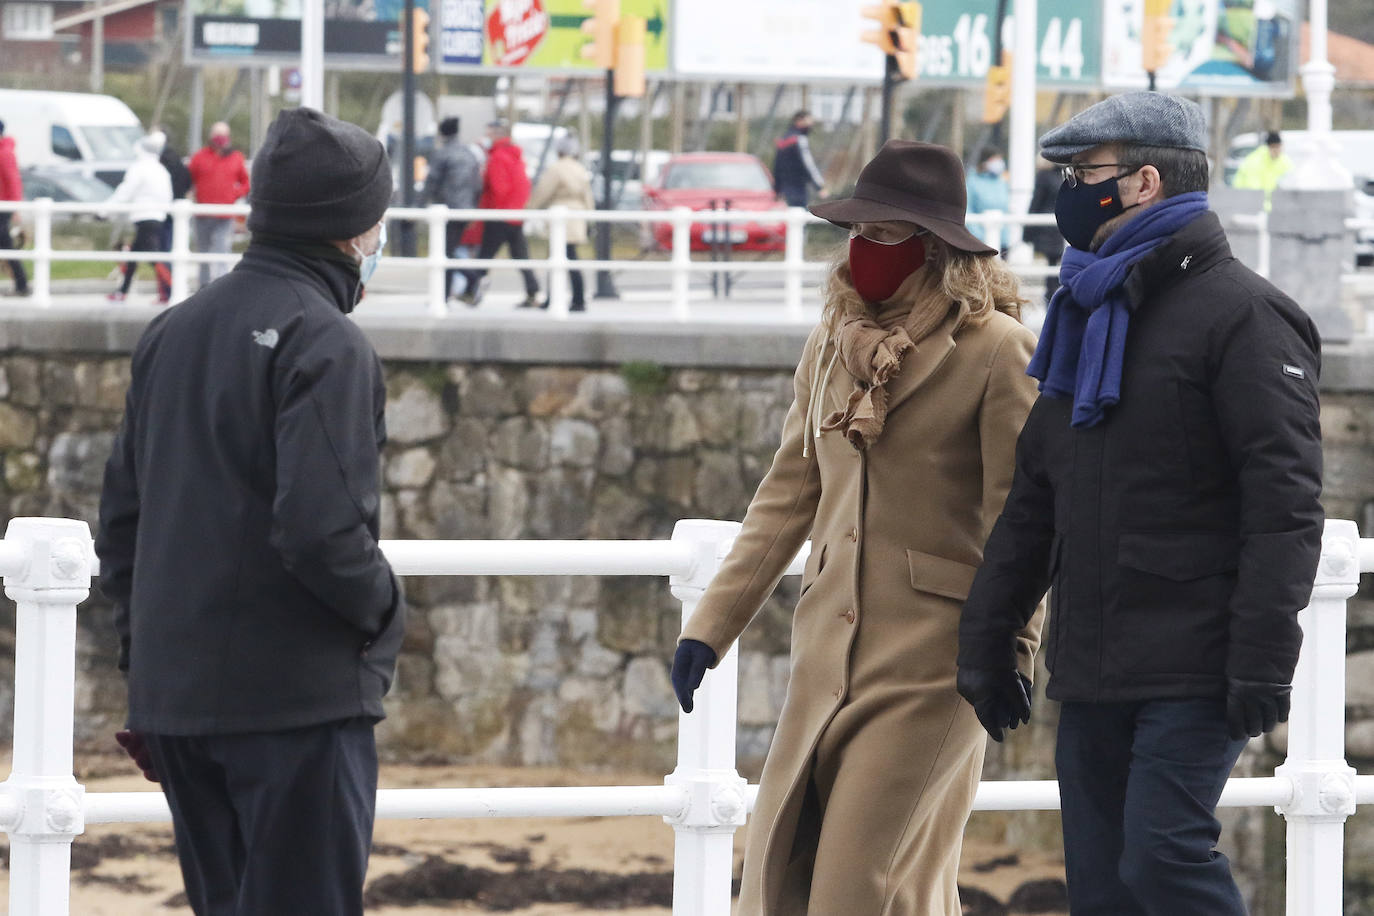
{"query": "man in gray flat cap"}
pixel 1166 487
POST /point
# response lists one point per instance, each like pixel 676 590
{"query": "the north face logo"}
pixel 267 338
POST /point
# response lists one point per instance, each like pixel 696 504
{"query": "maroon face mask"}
pixel 879 269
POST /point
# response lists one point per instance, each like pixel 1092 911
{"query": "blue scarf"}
pixel 1083 343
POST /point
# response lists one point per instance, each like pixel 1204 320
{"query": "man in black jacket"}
pixel 1167 487
pixel 258 621
pixel 794 169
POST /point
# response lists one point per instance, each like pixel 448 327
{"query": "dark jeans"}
pixel 453 235
pixel 494 235
pixel 147 237
pixel 21 279
pixel 793 195
pixel 579 301
pixel 1139 784
pixel 273 823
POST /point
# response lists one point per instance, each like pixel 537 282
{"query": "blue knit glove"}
pixel 690 662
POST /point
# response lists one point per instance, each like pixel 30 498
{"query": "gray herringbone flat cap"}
pixel 1151 118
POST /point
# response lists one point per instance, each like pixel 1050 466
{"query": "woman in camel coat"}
pixel 896 457
pixel 567 182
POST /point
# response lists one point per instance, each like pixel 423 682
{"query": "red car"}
pixel 696 180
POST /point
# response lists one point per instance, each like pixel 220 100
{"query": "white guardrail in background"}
pixel 792 267
pixel 47 565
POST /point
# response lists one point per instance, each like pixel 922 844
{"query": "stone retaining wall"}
pixel 542 434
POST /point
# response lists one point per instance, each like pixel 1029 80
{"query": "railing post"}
pixel 794 248
pixel 558 261
pixel 436 215
pixel 1323 783
pixel 703 860
pixel 42 251
pixel 1265 240
pixel 181 248
pixel 42 801
pixel 682 261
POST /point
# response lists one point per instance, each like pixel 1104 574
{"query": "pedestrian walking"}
pixel 567 183
pixel 181 184
pixel 147 185
pixel 1264 167
pixel 1167 487
pixel 1046 240
pixel 454 180
pixel 794 168
pixel 988 192
pixel 11 188
pixel 908 400
pixel 258 621
pixel 220 176
pixel 505 186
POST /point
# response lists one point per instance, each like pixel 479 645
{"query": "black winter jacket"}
pixel 238 522
pixel 1181 535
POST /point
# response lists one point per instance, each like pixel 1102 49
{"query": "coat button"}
pixel 853 534
pixel 849 617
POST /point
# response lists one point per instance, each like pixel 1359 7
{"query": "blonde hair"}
pixel 983 283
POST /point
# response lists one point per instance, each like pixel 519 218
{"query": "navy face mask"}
pixel 1081 209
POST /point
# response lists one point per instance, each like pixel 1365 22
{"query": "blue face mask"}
pixel 368 265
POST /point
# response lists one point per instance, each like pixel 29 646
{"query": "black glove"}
pixel 1000 698
pixel 690 662
pixel 1255 707
pixel 137 749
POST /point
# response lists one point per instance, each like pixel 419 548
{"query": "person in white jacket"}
pixel 148 185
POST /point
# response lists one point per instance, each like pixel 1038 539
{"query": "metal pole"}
pixel 312 54
pixel 98 49
pixel 407 234
pixel 1021 154
pixel 195 130
pixel 889 85
pixel 1319 169
pixel 605 288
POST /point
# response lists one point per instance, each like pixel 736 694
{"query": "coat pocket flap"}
pixel 1179 555
pixel 948 578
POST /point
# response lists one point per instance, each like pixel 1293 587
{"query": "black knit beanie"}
pixel 317 177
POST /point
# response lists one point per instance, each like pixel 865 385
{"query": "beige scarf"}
pixel 872 346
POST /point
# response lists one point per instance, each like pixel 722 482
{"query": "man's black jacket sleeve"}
pixel 1015 572
pixel 328 434
pixel 117 534
pixel 1265 397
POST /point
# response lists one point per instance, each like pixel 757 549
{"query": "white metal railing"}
pixel 792 267
pixel 47 565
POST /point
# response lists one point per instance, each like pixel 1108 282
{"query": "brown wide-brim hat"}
pixel 918 183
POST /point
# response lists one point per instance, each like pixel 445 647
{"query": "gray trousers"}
pixel 213 235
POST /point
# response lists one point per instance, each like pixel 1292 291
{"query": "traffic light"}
pixel 997 93
pixel 631 35
pixel 419 63
pixel 1157 29
pixel 908 38
pixel 886 15
pixel 601 26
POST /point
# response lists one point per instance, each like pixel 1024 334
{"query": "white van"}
pixel 92 134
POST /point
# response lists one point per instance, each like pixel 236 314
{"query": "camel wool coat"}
pixel 875 761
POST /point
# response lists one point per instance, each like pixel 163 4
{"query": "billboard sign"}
pixel 775 42
pixel 361 33
pixel 1220 47
pixel 956 42
pixel 535 35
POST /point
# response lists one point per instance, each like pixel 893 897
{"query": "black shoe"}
pixel 578 307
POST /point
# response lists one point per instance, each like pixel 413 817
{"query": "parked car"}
pixel 63 186
pixel 78 131
pixel 702 181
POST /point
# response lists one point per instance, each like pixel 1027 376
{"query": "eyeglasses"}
pixel 886 233
pixel 1073 174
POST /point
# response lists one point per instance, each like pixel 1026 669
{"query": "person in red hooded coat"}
pixel 11 188
pixel 505 186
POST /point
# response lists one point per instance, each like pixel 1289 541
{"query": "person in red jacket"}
pixel 11 188
pixel 219 176
pixel 505 186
